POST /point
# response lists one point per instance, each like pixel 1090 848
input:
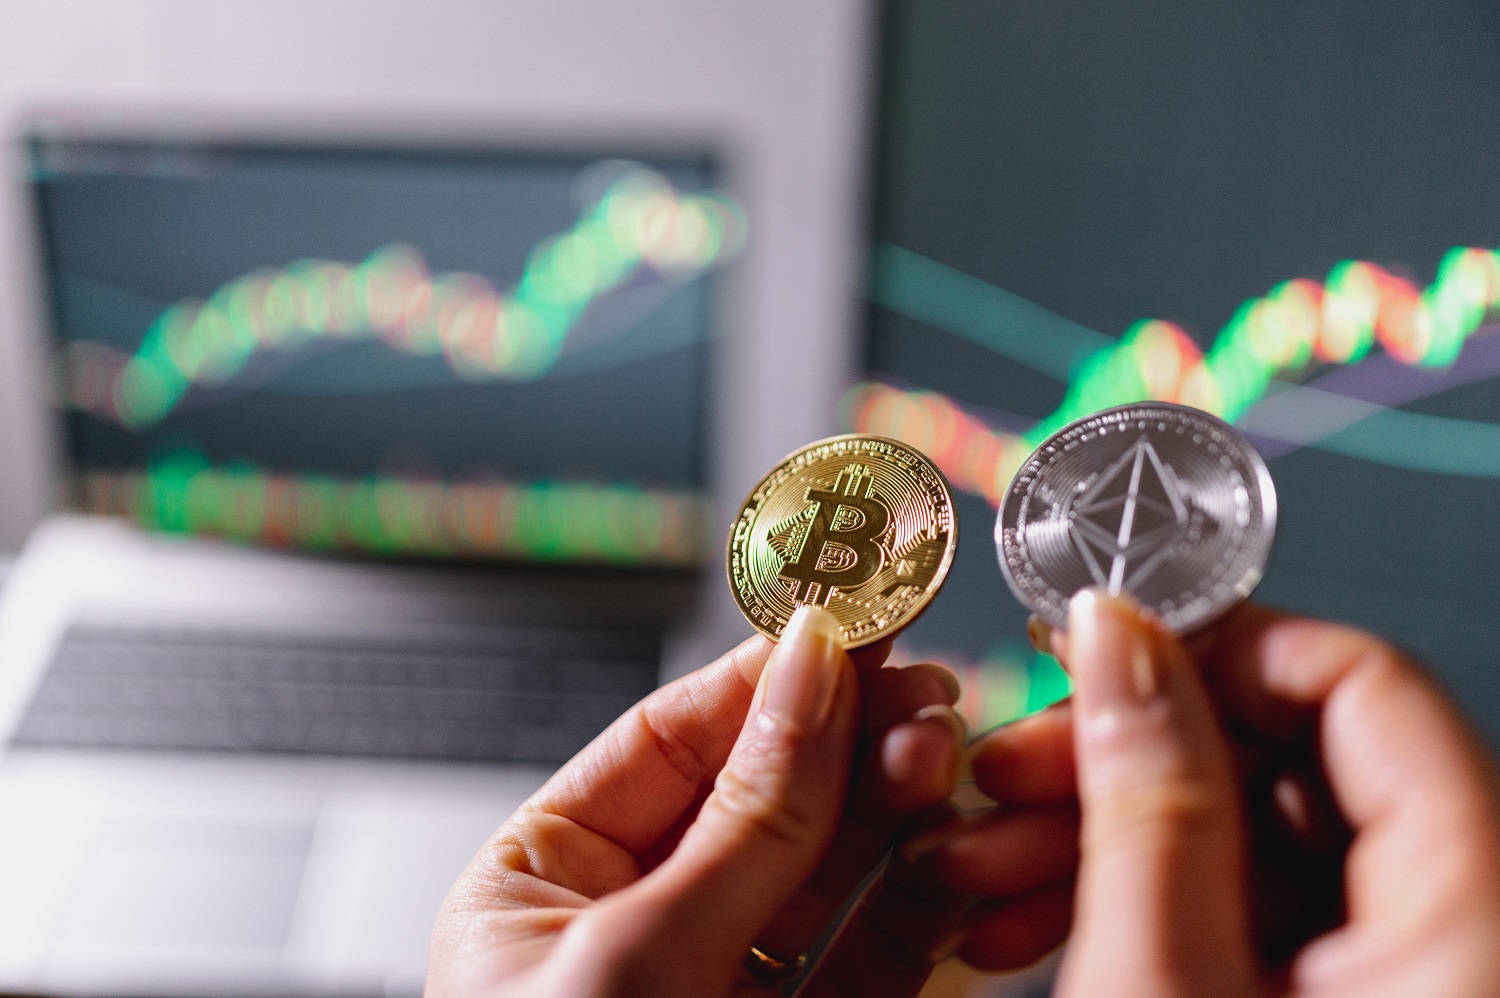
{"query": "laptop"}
pixel 385 482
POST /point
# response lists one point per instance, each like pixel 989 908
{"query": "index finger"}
pixel 1406 769
pixel 1272 672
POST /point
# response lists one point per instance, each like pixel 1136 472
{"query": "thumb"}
pixel 764 828
pixel 1161 895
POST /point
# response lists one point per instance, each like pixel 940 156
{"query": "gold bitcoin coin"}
pixel 859 524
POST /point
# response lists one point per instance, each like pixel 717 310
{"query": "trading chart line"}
pixel 1337 322
pixel 639 221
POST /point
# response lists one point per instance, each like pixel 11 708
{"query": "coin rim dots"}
pixel 939 577
pixel 1242 588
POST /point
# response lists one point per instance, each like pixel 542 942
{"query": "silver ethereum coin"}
pixel 1161 501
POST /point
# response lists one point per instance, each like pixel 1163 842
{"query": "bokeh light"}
pixel 390 515
pixel 1299 321
pixel 639 221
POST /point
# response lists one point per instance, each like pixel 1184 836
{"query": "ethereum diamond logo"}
pixel 1129 518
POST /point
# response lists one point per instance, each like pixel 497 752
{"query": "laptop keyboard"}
pixel 523 695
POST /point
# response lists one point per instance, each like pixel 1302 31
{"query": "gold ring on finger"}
pixel 768 969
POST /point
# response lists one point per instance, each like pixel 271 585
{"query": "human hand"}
pixel 1282 807
pixel 738 806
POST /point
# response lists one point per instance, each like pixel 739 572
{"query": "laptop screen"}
pixel 435 353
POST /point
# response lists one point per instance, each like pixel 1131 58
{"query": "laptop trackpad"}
pixel 381 865
pixel 155 888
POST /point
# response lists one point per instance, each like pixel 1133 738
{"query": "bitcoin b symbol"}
pixel 840 550
pixel 860 525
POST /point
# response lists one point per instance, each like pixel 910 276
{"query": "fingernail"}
pixel 1110 653
pixel 950 717
pixel 1040 633
pixel 803 672
pixel 951 681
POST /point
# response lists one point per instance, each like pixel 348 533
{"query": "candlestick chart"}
pixel 640 222
pixel 388 514
pixel 409 352
pixel 1311 363
pixel 1299 325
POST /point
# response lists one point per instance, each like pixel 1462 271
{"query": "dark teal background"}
pixel 1117 161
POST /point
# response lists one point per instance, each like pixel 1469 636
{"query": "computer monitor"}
pixel 424 352
pixel 1299 199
